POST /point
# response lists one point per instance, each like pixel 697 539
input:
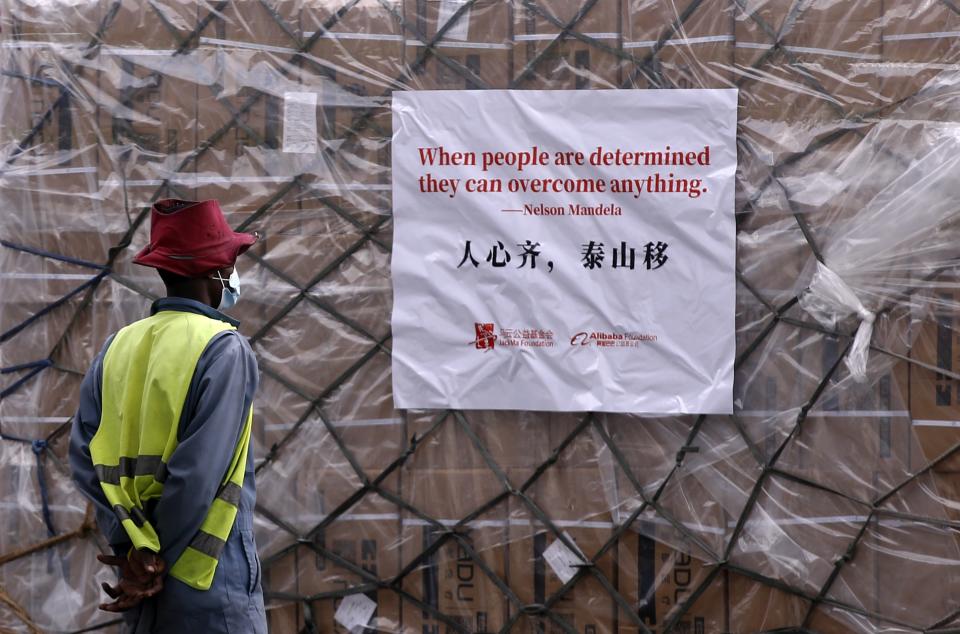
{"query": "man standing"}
pixel 161 440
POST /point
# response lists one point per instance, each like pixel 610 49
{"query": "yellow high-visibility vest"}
pixel 147 371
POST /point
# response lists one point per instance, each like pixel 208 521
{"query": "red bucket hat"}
pixel 191 238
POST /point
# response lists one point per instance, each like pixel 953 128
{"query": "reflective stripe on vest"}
pixel 147 372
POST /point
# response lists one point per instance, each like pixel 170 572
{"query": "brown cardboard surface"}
pixel 164 27
pixel 273 24
pixel 324 481
pixel 42 22
pixel 450 446
pixel 934 398
pixel 466 68
pixel 153 110
pixel 699 56
pixel 284 618
pixel 571 62
pixel 289 357
pixel 775 385
pixel 111 308
pixel 473 54
pixel 657 581
pixel 366 537
pixel 247 137
pixel 917 47
pixel 302 239
pixel 68 133
pixel 755 607
pixel 51 217
pixel 370 35
pixel 926 557
pixel 460 584
pixel 815 78
pixel 277 410
pixel 872 418
pixel 587 606
pixel 452 582
pixel 910 34
pixel 359 292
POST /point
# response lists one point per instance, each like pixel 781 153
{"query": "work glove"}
pixel 141 576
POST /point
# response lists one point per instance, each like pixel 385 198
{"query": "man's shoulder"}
pixel 228 357
pixel 230 343
pixel 167 321
pixel 133 326
pixel 124 331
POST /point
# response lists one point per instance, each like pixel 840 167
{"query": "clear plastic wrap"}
pixel 827 502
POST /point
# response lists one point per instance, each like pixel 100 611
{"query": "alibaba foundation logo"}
pixel 580 338
pixel 485 339
pixel 603 339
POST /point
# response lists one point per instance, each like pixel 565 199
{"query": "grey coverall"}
pixel 220 393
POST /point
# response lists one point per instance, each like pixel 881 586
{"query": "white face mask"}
pixel 230 293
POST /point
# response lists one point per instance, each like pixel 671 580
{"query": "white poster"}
pixel 564 250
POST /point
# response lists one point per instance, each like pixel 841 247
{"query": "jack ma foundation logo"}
pixel 486 336
pixel 485 339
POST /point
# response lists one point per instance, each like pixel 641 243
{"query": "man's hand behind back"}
pixel 141 576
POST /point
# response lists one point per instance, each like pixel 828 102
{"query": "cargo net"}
pixel 827 502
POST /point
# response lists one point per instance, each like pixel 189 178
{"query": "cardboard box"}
pixel 57 165
pixel 149 107
pixel 55 124
pixel 775 384
pixel 461 579
pixel 658 581
pixel 276 411
pixel 933 409
pixel 291 358
pixel 450 446
pixel 871 417
pixel 934 398
pixel 360 53
pixel 816 78
pixel 701 55
pixel 756 607
pixel 366 537
pixel 239 124
pixel 265 25
pixel 540 61
pixel 925 557
pixel 49 23
pixel 566 497
pixel 917 48
pixel 473 53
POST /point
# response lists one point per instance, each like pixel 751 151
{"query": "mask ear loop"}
pixel 219 277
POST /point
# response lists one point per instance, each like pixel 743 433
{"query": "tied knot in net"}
pixel 828 299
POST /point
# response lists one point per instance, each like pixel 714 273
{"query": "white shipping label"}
pixel 562 560
pixel 300 122
pixel 564 250
pixel 355 612
pixel 460 29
